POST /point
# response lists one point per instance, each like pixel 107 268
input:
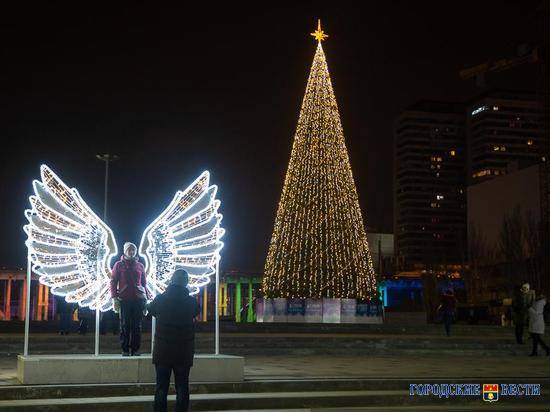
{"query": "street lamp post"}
pixel 107 158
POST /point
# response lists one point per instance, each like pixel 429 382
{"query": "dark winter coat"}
pixel 174 311
pixel 128 280
pixel 448 303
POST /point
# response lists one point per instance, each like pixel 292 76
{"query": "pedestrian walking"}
pixel 523 302
pixel 536 325
pixel 174 344
pixel 447 310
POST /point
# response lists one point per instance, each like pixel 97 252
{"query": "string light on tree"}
pixel 319 244
pixel 71 248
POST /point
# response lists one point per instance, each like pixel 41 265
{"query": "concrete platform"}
pixel 86 369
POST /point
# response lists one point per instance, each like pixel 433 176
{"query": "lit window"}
pixel 496 148
pixel 530 142
pixel 439 197
pixel 495 108
pixel 453 153
pixel 482 173
pixel 437 174
pixel 543 158
pixel 479 110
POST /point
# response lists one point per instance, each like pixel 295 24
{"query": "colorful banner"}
pixel 314 311
pixel 348 311
pixel 331 310
pixel 279 310
pixel 296 309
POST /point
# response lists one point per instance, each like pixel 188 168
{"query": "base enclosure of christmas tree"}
pixel 324 310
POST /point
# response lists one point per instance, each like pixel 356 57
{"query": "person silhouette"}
pixel 174 344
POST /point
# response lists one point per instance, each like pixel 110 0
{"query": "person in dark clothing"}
pixel 519 315
pixel 447 308
pixel 84 314
pixel 522 300
pixel 174 344
pixel 130 294
pixel 109 323
pixel 65 310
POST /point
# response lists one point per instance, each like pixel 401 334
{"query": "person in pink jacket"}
pixel 130 295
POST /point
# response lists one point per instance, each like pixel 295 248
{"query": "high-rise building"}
pixel 504 232
pixel 503 132
pixel 429 185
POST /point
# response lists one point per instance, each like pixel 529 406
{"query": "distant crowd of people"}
pixel 527 311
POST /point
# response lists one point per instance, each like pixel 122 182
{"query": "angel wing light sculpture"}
pixel 71 248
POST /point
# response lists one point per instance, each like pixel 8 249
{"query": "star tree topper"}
pixel 319 34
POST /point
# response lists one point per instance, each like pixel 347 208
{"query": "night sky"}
pixel 177 90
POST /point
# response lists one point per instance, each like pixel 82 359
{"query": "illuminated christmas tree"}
pixel 319 245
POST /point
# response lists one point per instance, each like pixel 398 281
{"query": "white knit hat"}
pixel 128 245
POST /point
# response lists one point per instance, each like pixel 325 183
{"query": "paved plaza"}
pixel 386 367
pixel 317 369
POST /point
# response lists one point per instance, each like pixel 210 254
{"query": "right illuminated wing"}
pixel 187 235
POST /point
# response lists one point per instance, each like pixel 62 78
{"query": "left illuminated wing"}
pixel 68 245
pixel 187 235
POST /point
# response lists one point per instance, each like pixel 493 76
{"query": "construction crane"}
pixel 526 54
